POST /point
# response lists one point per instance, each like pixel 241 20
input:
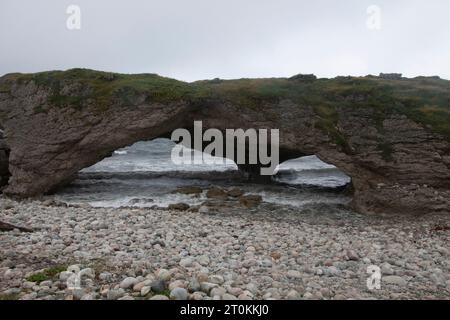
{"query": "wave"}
pixel 144 175
pixel 294 171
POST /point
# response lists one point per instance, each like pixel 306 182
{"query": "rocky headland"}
pixel 389 134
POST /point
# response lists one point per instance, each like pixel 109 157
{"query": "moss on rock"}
pixel 425 100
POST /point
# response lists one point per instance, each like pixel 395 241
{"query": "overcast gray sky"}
pixel 201 39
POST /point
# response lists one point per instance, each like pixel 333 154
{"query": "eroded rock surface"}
pixel 4 159
pixel 390 136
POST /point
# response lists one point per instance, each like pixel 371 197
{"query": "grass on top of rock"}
pixel 78 88
pixel 423 99
pixel 46 274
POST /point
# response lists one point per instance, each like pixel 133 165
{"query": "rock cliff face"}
pixel 4 156
pixel 390 136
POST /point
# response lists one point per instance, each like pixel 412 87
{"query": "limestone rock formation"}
pixel 390 136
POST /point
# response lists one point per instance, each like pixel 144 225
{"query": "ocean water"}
pixel 143 175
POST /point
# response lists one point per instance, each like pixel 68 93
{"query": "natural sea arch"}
pixel 155 156
pixel 57 123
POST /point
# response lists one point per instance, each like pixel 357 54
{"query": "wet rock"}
pixel 235 192
pixel 189 190
pixel 216 193
pixel 178 206
pixel 250 201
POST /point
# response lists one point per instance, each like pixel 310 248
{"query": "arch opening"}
pixel 144 175
pixel 311 171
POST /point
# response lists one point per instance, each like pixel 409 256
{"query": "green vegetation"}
pixel 47 274
pixel 165 292
pixel 424 99
pixel 78 88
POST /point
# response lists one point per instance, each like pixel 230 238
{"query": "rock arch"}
pixel 57 123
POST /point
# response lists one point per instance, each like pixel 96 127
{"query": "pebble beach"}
pixel 228 254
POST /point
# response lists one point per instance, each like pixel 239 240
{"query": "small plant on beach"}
pixel 165 292
pixel 37 277
pixel 46 274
